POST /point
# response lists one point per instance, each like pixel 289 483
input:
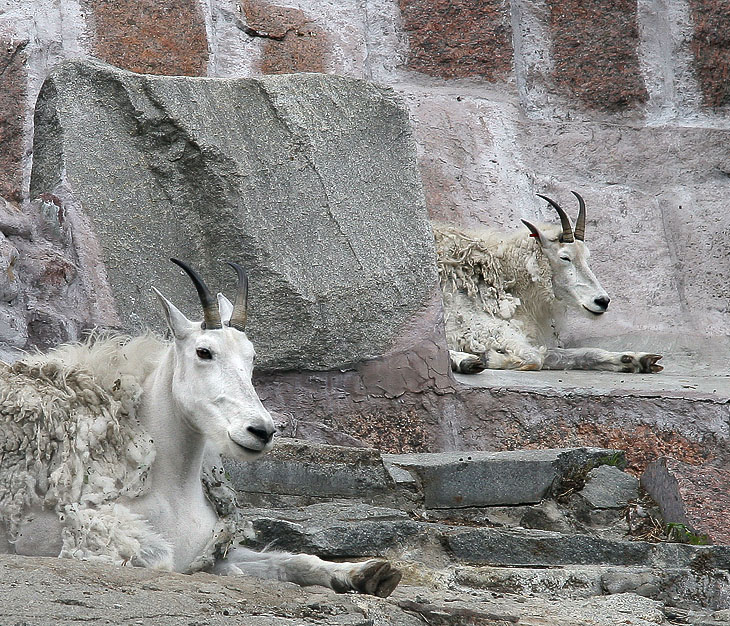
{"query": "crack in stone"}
pixel 313 166
pixel 252 32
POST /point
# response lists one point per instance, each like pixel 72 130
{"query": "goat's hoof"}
pixel 472 365
pixel 376 577
pixel 649 363
pixel 641 363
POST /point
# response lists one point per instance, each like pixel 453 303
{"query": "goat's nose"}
pixel 602 302
pixel 264 434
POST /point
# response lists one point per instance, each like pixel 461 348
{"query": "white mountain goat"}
pixel 104 446
pixel 504 294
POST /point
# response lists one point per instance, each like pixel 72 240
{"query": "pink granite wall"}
pixel 711 50
pixel 595 47
pixel 625 102
pixel 458 38
pixel 149 36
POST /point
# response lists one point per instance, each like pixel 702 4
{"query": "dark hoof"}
pixel 649 363
pixel 472 365
pixel 377 578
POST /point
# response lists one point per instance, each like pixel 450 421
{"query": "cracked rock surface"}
pixel 309 181
pixel 531 564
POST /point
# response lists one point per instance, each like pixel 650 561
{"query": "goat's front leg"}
pixel 375 576
pixel 465 363
pixel 597 359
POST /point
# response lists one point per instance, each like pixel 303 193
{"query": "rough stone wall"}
pixel 148 36
pixel 625 102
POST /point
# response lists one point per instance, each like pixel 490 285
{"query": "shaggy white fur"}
pixel 505 295
pixel 498 292
pixel 72 444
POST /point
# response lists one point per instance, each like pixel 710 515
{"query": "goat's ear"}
pixel 180 326
pixel 225 306
pixel 534 231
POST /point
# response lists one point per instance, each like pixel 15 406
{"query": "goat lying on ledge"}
pixel 504 292
pixel 103 449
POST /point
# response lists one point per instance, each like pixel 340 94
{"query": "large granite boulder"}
pixel 310 181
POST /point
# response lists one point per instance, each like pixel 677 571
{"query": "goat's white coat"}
pixel 505 295
pixel 104 456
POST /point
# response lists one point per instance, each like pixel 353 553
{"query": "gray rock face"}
pixel 467 479
pixel 608 487
pixel 309 181
pixel 457 570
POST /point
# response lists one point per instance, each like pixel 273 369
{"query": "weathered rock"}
pixel 13 92
pixel 607 487
pixel 312 185
pixel 44 592
pixel 694 496
pixel 13 222
pixel 535 548
pixel 9 283
pixel 539 548
pixel 300 468
pixel 465 479
pixel 339 530
pixel 149 36
pixel 309 472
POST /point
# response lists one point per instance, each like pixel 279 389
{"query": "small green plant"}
pixel 679 533
pixel 616 459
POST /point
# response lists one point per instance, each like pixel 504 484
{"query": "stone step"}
pixel 339 530
pixel 687 588
pixel 684 404
pixel 541 548
pixel 497 560
pixel 450 480
pixel 300 473
pixel 45 591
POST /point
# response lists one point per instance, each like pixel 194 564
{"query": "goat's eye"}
pixel 566 258
pixel 204 353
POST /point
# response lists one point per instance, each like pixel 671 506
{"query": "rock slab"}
pixel 468 479
pixel 692 496
pixel 310 181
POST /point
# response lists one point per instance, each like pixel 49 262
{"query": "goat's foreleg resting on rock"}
pixel 493 359
pixel 597 359
pixel 466 363
pixel 375 576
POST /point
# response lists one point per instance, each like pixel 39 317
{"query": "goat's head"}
pixel 211 379
pixel 573 280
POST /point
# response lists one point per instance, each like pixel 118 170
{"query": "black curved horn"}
pixel 211 315
pixel 567 235
pixel 240 306
pixel 580 224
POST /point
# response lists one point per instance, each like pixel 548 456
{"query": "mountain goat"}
pixel 105 452
pixel 503 294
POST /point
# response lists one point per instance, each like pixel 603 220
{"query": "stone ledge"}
pixel 694 496
pixel 482 479
pixel 305 473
